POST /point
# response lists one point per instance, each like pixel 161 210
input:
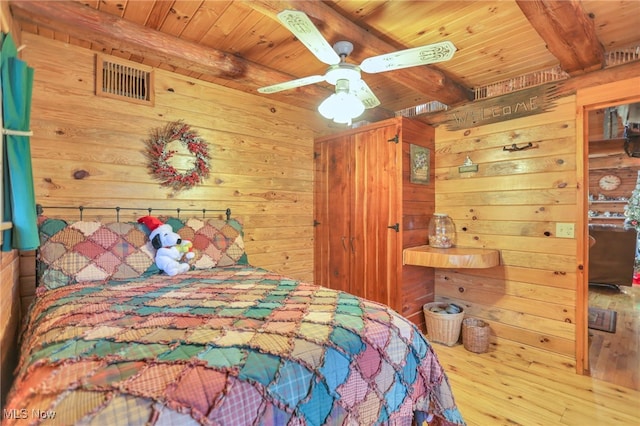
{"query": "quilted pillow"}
pixel 92 251
pixel 216 242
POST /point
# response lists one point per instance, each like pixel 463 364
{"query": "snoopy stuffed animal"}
pixel 168 245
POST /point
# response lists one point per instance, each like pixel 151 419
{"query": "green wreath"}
pixel 159 156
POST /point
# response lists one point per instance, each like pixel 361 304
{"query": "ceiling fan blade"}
pixel 279 87
pixel 364 93
pixel 301 26
pixel 429 54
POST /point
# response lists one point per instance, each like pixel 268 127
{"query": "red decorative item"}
pixel 159 156
pixel 151 222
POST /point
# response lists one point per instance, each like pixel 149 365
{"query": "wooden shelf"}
pixel 454 257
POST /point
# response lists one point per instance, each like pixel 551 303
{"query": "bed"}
pixel 112 340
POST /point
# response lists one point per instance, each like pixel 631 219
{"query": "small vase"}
pixel 442 231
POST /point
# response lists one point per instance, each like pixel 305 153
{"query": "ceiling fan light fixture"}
pixel 342 71
pixel 342 106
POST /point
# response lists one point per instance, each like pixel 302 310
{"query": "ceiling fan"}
pixel 345 76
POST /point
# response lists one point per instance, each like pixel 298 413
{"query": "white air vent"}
pixel 522 82
pixel 120 79
pixel 612 58
pixel 622 56
pixel 429 107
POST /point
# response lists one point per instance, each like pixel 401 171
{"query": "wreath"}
pixel 159 156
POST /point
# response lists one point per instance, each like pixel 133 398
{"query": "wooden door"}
pixel 375 210
pixel 333 213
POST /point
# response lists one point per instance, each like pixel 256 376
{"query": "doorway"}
pixel 590 99
pixel 612 176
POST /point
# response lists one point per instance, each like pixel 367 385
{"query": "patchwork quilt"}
pixel 233 345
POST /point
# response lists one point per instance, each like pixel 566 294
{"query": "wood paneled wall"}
pixel 418 204
pixel 512 204
pixel 10 315
pixel 89 151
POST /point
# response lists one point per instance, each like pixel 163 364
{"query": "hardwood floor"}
pixel 518 386
pixel 615 357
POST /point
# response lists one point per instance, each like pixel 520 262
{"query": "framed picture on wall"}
pixel 420 158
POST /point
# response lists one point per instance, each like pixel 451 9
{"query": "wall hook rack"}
pixel 515 147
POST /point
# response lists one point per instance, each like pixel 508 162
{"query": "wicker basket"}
pixel 475 335
pixel 442 328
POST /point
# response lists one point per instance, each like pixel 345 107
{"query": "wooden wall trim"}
pixel 609 94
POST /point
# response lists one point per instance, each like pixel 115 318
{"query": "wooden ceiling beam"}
pixel 568 31
pixel 86 23
pixel 427 80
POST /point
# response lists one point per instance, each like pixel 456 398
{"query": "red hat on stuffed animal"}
pixel 156 227
pixel 151 222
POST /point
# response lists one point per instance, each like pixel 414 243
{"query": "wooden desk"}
pixel 454 257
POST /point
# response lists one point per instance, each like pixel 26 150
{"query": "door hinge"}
pixel 316 155
pixel 396 227
pixel 395 139
pixel 315 222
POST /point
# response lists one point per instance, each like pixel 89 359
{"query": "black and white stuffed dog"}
pixel 169 246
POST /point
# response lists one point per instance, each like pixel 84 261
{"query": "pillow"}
pixel 72 252
pixel 216 242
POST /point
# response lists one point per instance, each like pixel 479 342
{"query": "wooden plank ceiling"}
pixel 241 44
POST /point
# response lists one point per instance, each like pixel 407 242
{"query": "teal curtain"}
pixel 19 205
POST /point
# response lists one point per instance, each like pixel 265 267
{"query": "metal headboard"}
pixel 40 209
